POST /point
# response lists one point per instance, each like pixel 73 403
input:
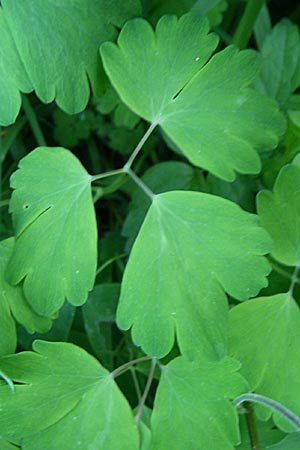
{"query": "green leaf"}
pixel 280 215
pixel 267 434
pixel 192 247
pixel 291 442
pixel 55 227
pixel 14 307
pixel 212 9
pixel 205 108
pixel 265 337
pixel 5 445
pixel 64 399
pixel 280 72
pixel 192 408
pixel 162 177
pixel 56 61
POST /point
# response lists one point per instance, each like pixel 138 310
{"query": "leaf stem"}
pixel 135 152
pixel 119 370
pixel 245 27
pixel 146 391
pixel 136 383
pixel 109 261
pixel 8 381
pixel 32 119
pixel 141 184
pixel 270 403
pixel 294 280
pixel 251 427
pixel 111 173
pixel 283 272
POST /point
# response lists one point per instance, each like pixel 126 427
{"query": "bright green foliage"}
pixel 291 442
pixel 280 215
pixel 266 432
pixel 65 400
pixel 163 177
pixel 192 405
pixel 212 9
pixel 280 71
pixel 37 60
pixel 55 229
pixel 206 109
pixel 13 306
pixel 265 337
pixel 193 247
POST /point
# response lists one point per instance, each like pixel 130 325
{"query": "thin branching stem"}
pixel 272 404
pixel 245 27
pixel 33 121
pixel 146 391
pixel 119 370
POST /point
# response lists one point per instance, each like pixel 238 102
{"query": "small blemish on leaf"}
pixel 25 206
pixel 197 58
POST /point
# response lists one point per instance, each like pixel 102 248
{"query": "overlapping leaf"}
pixel 280 214
pixel 13 306
pixel 192 408
pixel 56 61
pixel 64 399
pixel 265 337
pixel 192 247
pixel 280 71
pixel 204 107
pixel 55 227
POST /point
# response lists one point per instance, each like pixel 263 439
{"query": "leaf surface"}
pixel 206 108
pixel 192 408
pixel 64 399
pixel 280 71
pixel 192 247
pixel 280 214
pixel 55 227
pixel 265 337
pixel 56 61
pixel 14 307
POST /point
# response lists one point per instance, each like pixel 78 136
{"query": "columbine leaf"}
pixel 280 214
pixel 205 108
pixel 192 247
pixel 56 61
pixel 265 337
pixel 162 177
pixel 55 227
pixel 64 399
pixel 13 306
pixel 192 408
pixel 280 72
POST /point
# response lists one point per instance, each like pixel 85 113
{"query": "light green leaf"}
pixel 5 445
pixel 55 227
pixel 280 215
pixel 13 306
pixel 265 337
pixel 205 108
pixel 162 177
pixel 212 9
pixel 64 399
pixel 192 247
pixel 266 432
pixel 280 72
pixel 56 61
pixel 192 408
pixel 291 442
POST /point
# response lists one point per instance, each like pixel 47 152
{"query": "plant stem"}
pixel 146 391
pixel 119 370
pixel 8 381
pixel 109 261
pixel 282 272
pixel 245 27
pixel 32 119
pixel 111 173
pixel 141 184
pixel 136 384
pixel 251 427
pixel 294 280
pixel 135 152
pixel 270 403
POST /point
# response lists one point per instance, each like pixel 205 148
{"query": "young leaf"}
pixel 64 399
pixel 55 227
pixel 265 337
pixel 291 442
pixel 13 306
pixel 280 72
pixel 56 61
pixel 205 108
pixel 192 408
pixel 280 215
pixel 192 247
